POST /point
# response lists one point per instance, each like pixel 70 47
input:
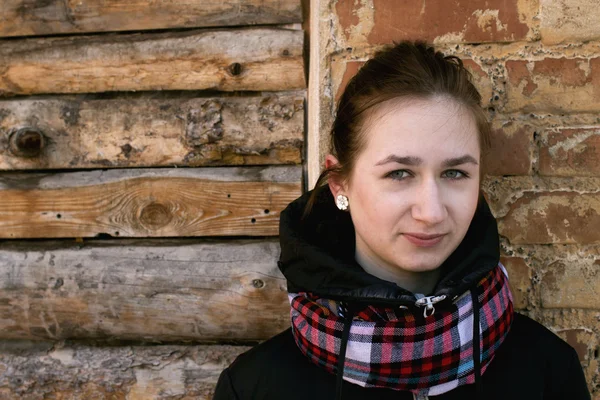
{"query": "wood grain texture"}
pixel 256 59
pixel 76 371
pixel 26 17
pixel 142 290
pixel 159 129
pixel 147 202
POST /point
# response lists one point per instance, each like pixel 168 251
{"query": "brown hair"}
pixel 403 70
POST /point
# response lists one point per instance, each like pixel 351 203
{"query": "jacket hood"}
pixel 317 255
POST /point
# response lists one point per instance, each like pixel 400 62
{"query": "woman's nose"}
pixel 429 204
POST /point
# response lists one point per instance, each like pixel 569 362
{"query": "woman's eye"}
pixel 455 174
pixel 399 174
pixel 452 174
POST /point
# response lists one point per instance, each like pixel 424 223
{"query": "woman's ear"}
pixel 335 182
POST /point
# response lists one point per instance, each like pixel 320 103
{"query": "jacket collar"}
pixel 317 255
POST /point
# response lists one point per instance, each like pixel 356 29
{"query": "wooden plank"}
pixel 26 17
pixel 315 138
pixel 76 371
pixel 162 129
pixel 147 202
pixel 242 59
pixel 142 290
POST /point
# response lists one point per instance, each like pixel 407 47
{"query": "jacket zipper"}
pixel 374 301
pixel 424 301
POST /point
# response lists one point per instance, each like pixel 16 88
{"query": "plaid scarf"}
pixel 400 348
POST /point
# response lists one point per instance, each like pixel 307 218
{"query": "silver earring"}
pixel 341 202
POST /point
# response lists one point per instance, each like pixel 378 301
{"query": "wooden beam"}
pixel 26 17
pixel 315 80
pixel 162 129
pixel 147 202
pixel 72 370
pixel 142 290
pixel 256 59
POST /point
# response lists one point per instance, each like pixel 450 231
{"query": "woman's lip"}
pixel 424 236
pixel 424 240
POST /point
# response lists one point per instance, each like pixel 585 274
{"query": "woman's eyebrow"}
pixel 452 162
pixel 411 160
pixel 408 160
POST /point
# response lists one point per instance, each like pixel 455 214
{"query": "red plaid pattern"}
pixel 401 349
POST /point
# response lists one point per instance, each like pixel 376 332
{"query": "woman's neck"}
pixel 416 282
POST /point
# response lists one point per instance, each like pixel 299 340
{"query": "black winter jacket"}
pixel 317 255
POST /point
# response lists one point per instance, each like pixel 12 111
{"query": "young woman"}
pixel 395 254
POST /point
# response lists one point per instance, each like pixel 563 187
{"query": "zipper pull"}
pixel 342 309
pixel 428 302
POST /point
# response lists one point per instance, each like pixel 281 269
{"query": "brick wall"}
pixel 537 65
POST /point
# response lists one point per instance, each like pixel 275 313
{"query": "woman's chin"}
pixel 419 265
pixel 416 259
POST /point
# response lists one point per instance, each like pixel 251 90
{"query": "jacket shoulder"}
pixel 534 351
pixel 241 379
pixel 527 329
pixel 266 353
pixel 270 367
pixel 528 337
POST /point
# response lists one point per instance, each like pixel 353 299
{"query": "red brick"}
pixel 553 217
pixel 510 152
pixel 458 20
pixel 519 278
pixel 571 284
pixel 570 152
pixel 481 80
pixel 565 69
pixel 553 84
pixel 581 340
pixel 346 11
pixel 350 69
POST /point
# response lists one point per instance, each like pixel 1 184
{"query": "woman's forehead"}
pixel 424 128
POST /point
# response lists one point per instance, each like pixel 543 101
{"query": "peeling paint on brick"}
pixel 580 340
pixel 481 80
pixel 540 218
pixel 519 278
pixel 349 68
pixel 569 20
pixel 570 284
pixel 553 85
pixel 376 22
pixel 570 152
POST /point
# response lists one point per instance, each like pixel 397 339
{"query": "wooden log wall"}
pixel 78 371
pixel 157 129
pixel 236 59
pixel 146 151
pixel 134 289
pixel 49 17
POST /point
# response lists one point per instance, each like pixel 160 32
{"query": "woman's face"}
pixel 415 185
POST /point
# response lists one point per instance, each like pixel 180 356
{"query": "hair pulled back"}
pixel 404 70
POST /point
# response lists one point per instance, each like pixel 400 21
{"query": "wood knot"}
pixel 235 69
pixel 155 216
pixel 27 142
pixel 258 283
pixel 59 282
